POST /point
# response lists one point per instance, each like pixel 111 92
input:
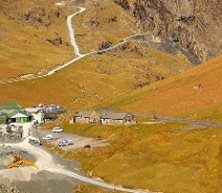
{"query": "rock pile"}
pixel 9 189
pixel 10 137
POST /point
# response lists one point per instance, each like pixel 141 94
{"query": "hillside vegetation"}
pixel 100 23
pixel 89 81
pixel 195 93
pixel 95 79
pixel 162 158
pixel 34 37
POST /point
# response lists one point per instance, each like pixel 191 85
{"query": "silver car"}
pixel 65 142
pixel 57 130
pixel 48 137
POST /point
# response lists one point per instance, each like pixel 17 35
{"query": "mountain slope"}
pixel 193 25
pixel 34 37
pixel 95 79
pixel 196 93
pixel 100 24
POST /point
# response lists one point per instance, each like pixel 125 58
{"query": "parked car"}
pixel 65 142
pixel 48 137
pixel 34 141
pixel 57 130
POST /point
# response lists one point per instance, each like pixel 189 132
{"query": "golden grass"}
pixel 178 96
pixel 92 80
pixel 23 46
pixel 159 157
pixel 90 36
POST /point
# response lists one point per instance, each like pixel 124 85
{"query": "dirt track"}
pixel 27 178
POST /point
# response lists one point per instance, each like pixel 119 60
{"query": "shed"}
pixel 50 116
pixel 19 116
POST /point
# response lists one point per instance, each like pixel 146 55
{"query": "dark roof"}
pixel 105 113
pixel 15 112
pixel 11 113
pixel 84 113
pixel 9 106
pixel 114 115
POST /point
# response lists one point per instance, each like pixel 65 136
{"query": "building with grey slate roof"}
pixel 103 116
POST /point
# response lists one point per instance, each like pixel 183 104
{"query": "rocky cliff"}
pixel 193 25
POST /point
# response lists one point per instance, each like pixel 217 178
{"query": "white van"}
pixel 34 141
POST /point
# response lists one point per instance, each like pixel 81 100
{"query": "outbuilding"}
pixel 19 116
pixel 104 116
pixel 13 113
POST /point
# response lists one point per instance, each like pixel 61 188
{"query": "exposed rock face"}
pixel 56 41
pixel 195 25
pixel 123 3
pixel 31 15
pixel 104 45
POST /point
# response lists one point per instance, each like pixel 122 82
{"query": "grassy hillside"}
pixel 95 79
pixel 26 29
pixel 196 93
pixel 100 23
pixel 91 80
pixel 162 158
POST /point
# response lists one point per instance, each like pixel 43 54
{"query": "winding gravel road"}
pixel 72 32
pixel 193 124
pixel 44 159
pixel 76 48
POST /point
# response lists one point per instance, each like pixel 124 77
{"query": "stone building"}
pixel 104 117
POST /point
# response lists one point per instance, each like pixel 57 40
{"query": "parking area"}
pixel 77 141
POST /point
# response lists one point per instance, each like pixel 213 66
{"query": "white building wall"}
pixel 81 120
pixel 38 117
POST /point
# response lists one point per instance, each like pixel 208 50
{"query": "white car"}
pixel 65 142
pixel 34 141
pixel 48 137
pixel 57 130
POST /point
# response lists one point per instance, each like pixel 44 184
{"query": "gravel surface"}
pixel 77 140
pixel 7 154
pixel 9 189
pixel 7 138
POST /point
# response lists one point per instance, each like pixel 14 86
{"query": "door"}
pixel 18 120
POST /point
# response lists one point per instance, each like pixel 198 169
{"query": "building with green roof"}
pixel 13 113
